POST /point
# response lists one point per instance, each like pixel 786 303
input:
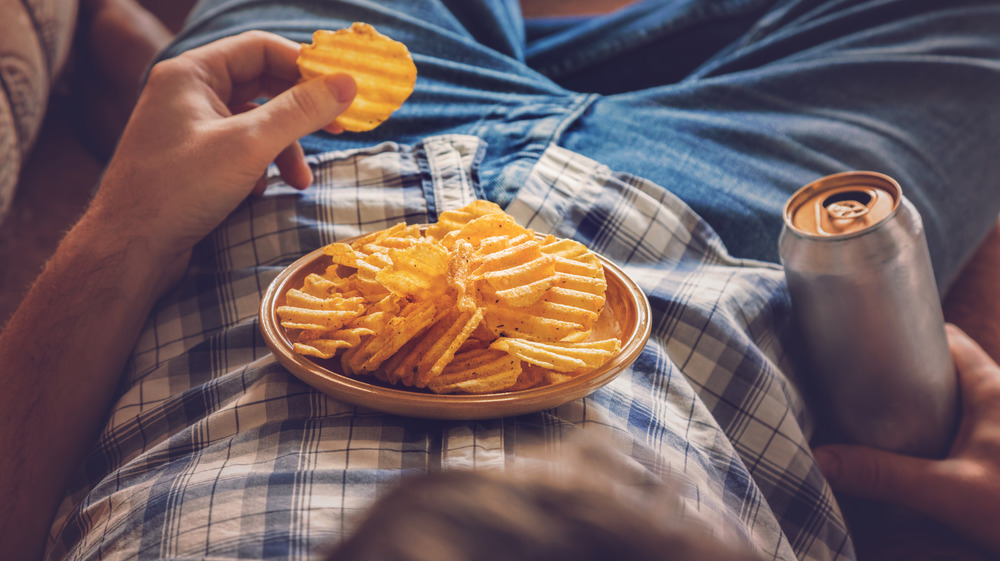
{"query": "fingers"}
pixel 333 128
pixel 241 68
pixel 882 476
pixel 300 110
pixel 253 57
pixel 979 375
pixel 292 164
pixel 265 86
pixel 259 186
pixel 968 355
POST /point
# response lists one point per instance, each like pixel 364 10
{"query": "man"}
pixel 212 449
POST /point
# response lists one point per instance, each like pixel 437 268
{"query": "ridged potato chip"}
pixel 385 341
pixel 381 67
pixel 331 342
pixel 366 278
pixel 327 285
pixel 452 220
pixel 459 278
pixel 484 227
pixel 559 357
pixel 400 236
pixel 533 377
pixel 342 254
pixel 542 321
pixel 312 313
pixel 478 372
pixel 416 272
pixel 517 269
pixel 435 349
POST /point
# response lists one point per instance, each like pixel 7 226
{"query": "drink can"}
pixel 863 291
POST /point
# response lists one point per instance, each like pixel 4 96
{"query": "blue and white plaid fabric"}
pixel 213 450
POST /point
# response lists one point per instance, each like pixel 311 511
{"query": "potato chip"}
pixel 568 249
pixel 416 272
pixel 577 267
pixel 560 357
pixel 331 342
pixel 366 278
pixel 325 286
pixel 532 377
pixel 392 237
pixel 379 314
pixel 387 339
pixel 541 321
pixel 478 372
pixel 459 279
pixel 381 67
pixel 401 239
pixel 472 344
pixel 342 254
pixel 514 266
pixel 486 226
pixel 451 220
pixel 307 312
pixel 434 350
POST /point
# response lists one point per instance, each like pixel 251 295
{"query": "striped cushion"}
pixel 34 41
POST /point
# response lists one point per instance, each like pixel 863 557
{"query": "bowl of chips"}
pixel 473 317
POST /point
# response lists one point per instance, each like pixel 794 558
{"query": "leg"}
pixel 475 71
pixel 121 39
pixel 646 44
pixel 906 88
pixel 972 301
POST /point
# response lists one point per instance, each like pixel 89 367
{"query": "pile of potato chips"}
pixel 381 67
pixel 472 304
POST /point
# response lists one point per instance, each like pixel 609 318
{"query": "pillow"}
pixel 35 36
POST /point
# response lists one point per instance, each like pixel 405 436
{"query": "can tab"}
pixel 835 210
pixel 847 210
pixel 844 211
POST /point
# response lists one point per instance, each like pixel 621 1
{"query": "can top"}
pixel 842 204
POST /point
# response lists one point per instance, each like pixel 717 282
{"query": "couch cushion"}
pixel 34 41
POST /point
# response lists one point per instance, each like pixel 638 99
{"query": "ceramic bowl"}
pixel 626 315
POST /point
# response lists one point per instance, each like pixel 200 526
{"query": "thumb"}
pixel 879 475
pixel 301 110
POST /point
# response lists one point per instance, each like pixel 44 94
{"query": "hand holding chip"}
pixel 194 149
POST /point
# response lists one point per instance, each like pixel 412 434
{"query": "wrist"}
pixel 147 254
pixel 100 245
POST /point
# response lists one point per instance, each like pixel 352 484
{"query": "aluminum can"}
pixel 863 292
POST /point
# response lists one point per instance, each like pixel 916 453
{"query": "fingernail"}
pixel 829 463
pixel 342 86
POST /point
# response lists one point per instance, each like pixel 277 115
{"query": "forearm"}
pixel 183 163
pixel 62 353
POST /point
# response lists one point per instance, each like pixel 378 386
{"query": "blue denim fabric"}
pixel 730 104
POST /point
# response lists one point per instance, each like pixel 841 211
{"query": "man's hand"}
pixel 196 146
pixel 962 490
pixel 192 151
